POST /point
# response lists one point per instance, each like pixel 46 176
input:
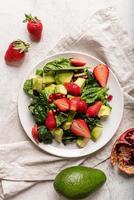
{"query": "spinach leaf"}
pixel 44 135
pixel 39 72
pixel 92 91
pixel 68 137
pixel 61 118
pixel 61 64
pixel 39 108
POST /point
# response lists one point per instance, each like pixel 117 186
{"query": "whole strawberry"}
pixel 34 27
pixel 16 51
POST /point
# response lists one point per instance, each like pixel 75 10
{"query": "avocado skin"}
pixel 78 182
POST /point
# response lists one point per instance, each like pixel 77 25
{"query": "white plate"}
pixel 110 125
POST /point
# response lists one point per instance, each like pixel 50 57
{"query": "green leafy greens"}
pixel 61 64
pixel 92 91
pixel 39 108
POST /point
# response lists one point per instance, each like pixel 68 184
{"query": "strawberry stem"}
pixel 21 45
pixel 30 18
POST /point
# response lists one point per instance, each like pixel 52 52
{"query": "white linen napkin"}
pixel 22 164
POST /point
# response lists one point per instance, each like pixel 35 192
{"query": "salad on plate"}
pixel 68 100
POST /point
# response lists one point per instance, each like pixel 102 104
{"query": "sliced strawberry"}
pixel 93 110
pixel 78 62
pixel 80 128
pixel 73 88
pixel 101 73
pixel 50 121
pixel 82 106
pixel 62 104
pixel 74 103
pixel 35 133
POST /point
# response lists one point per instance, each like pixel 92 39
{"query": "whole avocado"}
pixel 78 182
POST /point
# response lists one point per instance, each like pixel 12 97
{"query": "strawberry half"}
pixel 93 110
pixel 80 128
pixel 35 133
pixel 16 51
pixel 62 104
pixel 78 62
pixel 101 73
pixel 74 103
pixel 34 27
pixel 73 89
pixel 50 121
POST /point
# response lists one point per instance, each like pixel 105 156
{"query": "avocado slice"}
pixel 48 78
pixel 104 111
pixel 66 125
pixel 60 89
pixel 62 77
pixel 58 134
pixel 96 133
pixel 80 82
pixel 37 84
pixel 69 96
pixel 82 142
pixel 49 90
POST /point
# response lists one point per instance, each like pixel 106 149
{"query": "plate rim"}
pixel 54 152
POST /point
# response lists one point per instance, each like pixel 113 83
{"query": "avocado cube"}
pixel 96 133
pixel 62 77
pixel 82 142
pixel 104 111
pixel 66 125
pixel 49 90
pixel 80 82
pixel 48 78
pixel 60 89
pixel 37 84
pixel 58 134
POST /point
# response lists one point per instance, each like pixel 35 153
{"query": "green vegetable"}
pixel 61 64
pixel 92 91
pixel 28 87
pixel 44 135
pixel 61 118
pixel 68 137
pixel 96 133
pixel 39 108
pixel 58 134
pixel 82 142
pixel 39 72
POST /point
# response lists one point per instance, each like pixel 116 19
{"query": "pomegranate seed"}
pixel 50 100
pixel 109 98
pixel 54 111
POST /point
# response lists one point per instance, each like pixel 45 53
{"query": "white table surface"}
pixel 61 15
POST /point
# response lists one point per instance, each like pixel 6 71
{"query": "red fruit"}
pixel 16 51
pixel 74 103
pixel 34 27
pixel 50 121
pixel 123 152
pixel 82 106
pixel 109 98
pixel 35 133
pixel 101 73
pixel 78 62
pixel 62 104
pixel 127 137
pixel 73 88
pixel 93 110
pixel 80 128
